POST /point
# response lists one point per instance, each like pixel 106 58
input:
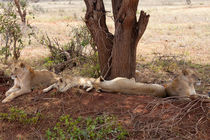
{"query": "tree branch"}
pixel 96 15
pixel 126 12
pixel 22 14
pixel 142 24
pixel 116 4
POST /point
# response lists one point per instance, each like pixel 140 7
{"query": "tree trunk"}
pixel 117 53
pixel 6 48
pixel 16 52
pixel 21 13
pixel 95 19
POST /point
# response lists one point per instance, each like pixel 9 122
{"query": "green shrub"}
pixel 101 127
pixel 91 68
pixel 18 115
pixel 80 49
pixel 11 30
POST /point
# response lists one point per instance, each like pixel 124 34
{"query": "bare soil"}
pixel 144 117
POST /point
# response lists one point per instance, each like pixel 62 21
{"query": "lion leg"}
pixel 200 95
pixel 16 94
pixel 49 88
pixel 15 88
pixel 205 97
pixel 90 88
pixel 67 87
pixel 89 85
pixel 12 89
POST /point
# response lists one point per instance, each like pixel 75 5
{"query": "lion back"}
pixel 43 78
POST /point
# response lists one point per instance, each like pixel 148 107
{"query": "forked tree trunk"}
pixel 117 53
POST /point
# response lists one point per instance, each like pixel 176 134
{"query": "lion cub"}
pixel 67 82
pixel 25 79
pixel 183 85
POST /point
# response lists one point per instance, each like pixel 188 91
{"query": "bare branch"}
pixel 125 16
pixel 142 24
pixel 163 116
pixel 21 13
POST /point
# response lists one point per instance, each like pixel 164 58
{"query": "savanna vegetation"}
pixel 92 38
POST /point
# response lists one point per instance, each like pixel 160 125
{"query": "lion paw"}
pixel 45 90
pixel 7 93
pixel 6 100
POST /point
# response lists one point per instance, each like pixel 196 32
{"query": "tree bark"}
pixel 95 20
pixel 117 54
pixel 21 13
pixel 15 50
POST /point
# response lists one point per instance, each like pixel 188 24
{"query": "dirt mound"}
pixel 144 117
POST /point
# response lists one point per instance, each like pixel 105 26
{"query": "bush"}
pixel 79 50
pixel 91 68
pixel 10 31
pixel 101 127
pixel 17 115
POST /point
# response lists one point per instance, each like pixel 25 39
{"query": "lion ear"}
pixel 185 72
pixel 97 81
pixel 22 65
pixel 61 80
pixel 101 79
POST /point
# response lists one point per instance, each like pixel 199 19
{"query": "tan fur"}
pixel 25 79
pixel 129 86
pixel 183 85
pixel 67 82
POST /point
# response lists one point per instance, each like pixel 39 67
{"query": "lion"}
pixel 67 82
pixel 25 79
pixel 183 85
pixel 129 86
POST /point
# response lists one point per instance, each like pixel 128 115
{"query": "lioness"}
pixel 67 82
pixel 25 78
pixel 129 86
pixel 183 85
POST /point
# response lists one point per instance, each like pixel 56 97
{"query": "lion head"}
pixel 191 76
pixel 97 82
pixel 61 84
pixel 19 69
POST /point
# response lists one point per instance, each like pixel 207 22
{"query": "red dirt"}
pixel 144 117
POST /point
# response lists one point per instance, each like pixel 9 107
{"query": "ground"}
pixel 142 116
pixel 177 36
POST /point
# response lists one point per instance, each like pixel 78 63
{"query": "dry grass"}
pixel 172 119
pixel 172 30
pixel 178 30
